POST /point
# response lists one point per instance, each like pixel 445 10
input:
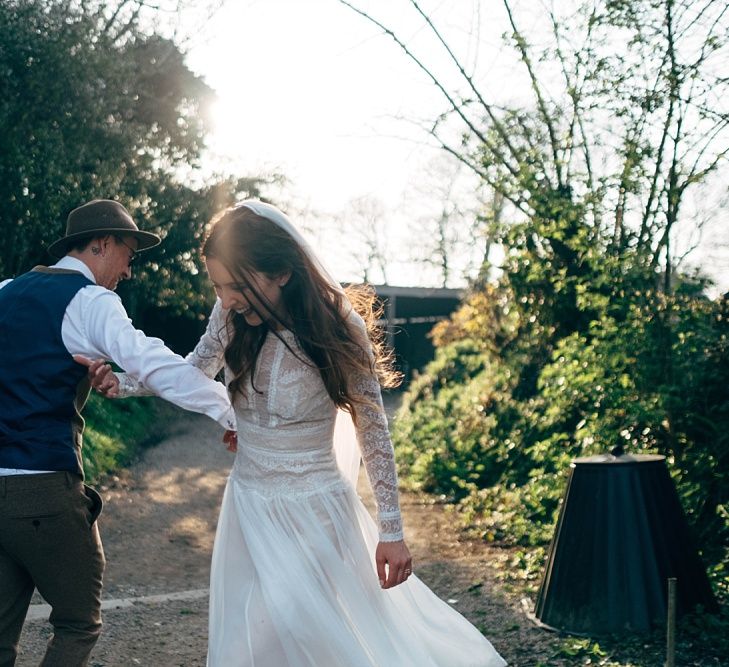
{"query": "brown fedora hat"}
pixel 100 217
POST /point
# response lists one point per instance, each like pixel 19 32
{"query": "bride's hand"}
pixel 230 439
pixel 100 375
pixel 394 564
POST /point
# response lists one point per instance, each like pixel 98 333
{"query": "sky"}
pixel 311 90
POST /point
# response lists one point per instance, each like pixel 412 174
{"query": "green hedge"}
pixel 655 380
pixel 118 430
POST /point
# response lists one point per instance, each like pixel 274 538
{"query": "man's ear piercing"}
pixel 95 250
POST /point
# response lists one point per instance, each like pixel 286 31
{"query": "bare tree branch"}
pixel 536 87
pixel 112 19
pixel 486 106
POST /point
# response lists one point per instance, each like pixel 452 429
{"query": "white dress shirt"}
pixel 97 326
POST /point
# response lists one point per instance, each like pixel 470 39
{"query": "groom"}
pixel 49 538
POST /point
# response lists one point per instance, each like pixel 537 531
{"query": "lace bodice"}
pixel 285 424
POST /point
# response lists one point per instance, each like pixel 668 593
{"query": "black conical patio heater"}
pixel 620 536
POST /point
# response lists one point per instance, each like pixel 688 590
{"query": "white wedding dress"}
pixel 293 580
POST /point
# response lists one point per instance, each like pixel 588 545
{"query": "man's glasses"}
pixel 133 256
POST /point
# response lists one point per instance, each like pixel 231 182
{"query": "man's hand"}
pixel 230 438
pixel 100 375
pixel 396 556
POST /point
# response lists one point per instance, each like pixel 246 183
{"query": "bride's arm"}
pixel 373 437
pixel 374 441
pixel 209 353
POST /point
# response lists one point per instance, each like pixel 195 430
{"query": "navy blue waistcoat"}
pixel 42 389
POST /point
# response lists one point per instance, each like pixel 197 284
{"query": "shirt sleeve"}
pixel 107 332
pixel 378 454
pixel 208 354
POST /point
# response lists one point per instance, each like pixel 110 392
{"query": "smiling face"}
pixel 255 302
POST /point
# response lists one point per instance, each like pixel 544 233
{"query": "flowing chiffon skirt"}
pixel 294 584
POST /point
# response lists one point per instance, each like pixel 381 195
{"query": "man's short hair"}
pixel 81 244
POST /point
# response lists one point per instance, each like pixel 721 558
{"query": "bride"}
pixel 301 575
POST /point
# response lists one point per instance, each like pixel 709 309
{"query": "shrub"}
pixel 118 430
pixel 650 374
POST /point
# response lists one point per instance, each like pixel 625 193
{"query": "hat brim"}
pixel 147 240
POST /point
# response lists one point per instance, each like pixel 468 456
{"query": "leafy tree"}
pixel 92 105
pixel 591 335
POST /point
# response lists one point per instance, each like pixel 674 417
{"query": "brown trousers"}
pixel 49 540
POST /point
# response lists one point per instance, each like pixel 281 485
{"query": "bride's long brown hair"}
pixel 315 311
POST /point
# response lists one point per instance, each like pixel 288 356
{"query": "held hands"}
pixel 100 376
pixel 394 564
pixel 230 439
pixel 104 381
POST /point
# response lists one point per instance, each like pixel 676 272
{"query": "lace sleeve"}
pixel 209 352
pixel 378 455
pixel 373 437
pixel 129 386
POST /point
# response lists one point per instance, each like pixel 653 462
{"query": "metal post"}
pixel 671 624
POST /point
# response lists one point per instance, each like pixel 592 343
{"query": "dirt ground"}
pixel 158 527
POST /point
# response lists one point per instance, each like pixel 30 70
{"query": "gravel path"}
pixel 158 527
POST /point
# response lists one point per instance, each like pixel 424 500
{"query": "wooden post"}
pixel 671 624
